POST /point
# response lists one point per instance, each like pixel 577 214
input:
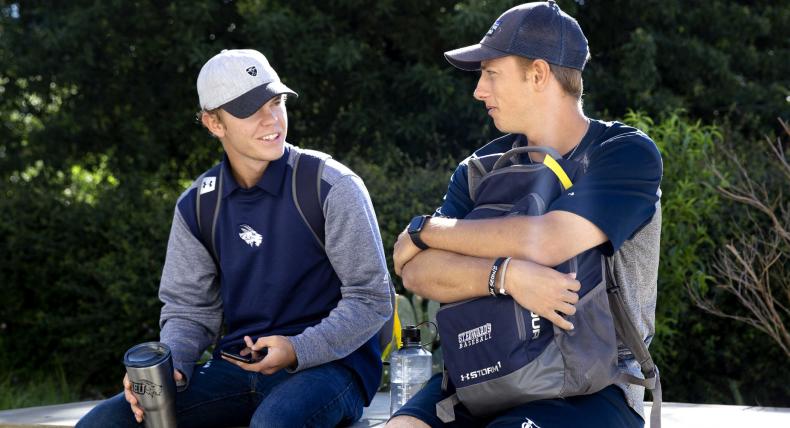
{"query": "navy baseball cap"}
pixel 537 30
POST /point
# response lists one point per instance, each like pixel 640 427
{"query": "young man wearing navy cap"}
pixel 530 63
pixel 314 303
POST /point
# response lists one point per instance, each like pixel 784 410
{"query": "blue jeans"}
pixel 222 394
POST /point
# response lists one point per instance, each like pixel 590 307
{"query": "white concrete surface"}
pixel 674 415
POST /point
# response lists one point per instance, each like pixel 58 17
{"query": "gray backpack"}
pixel 506 355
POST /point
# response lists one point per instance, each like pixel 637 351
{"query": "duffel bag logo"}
pixel 474 336
pixel 482 372
pixel 535 325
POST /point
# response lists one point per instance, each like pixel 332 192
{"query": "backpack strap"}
pixel 309 198
pixel 390 333
pixel 306 190
pixel 628 333
pixel 474 173
pixel 445 409
pixel 207 203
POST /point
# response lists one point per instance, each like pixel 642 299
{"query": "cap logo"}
pixel 252 71
pixel 494 27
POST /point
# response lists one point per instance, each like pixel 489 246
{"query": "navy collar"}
pixel 271 182
pixel 593 131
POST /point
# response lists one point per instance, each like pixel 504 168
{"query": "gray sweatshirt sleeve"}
pixel 192 311
pixel 353 245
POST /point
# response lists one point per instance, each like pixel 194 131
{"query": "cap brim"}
pixel 248 103
pixel 469 58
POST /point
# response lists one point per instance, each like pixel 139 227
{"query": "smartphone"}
pixel 244 354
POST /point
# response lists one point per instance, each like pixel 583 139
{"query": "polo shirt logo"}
pixel 208 184
pixel 250 236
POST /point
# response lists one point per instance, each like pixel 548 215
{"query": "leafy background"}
pixel 98 138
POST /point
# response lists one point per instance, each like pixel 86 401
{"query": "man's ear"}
pixel 213 123
pixel 541 74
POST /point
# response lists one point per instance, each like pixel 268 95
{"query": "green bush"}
pixel 80 278
pixel 401 189
pixel 703 359
pixel 97 139
pixel 21 389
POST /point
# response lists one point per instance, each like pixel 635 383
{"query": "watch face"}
pixel 416 224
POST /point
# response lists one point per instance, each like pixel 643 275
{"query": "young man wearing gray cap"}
pixel 530 63
pixel 312 298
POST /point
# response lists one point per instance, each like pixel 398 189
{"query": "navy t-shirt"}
pixel 617 190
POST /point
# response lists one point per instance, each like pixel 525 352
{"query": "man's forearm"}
pixel 445 276
pixel 450 277
pixel 547 240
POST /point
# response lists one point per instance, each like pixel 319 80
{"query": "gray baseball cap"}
pixel 239 81
pixel 537 30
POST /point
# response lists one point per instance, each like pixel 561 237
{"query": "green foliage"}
pixel 400 189
pixel 686 244
pixel 687 201
pixel 19 390
pixel 80 274
pixel 714 59
pixel 703 359
pixel 731 346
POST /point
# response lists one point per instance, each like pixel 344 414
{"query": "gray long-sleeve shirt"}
pixel 193 290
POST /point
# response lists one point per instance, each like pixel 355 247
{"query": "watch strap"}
pixel 414 233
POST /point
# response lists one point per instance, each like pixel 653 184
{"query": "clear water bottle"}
pixel 410 368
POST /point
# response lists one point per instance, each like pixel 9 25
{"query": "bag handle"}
pixel 508 155
pixel 550 161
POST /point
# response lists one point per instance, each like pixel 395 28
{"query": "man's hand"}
pixel 138 411
pixel 281 354
pixel 403 251
pixel 543 291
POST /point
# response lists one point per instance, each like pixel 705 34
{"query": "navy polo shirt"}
pixel 275 278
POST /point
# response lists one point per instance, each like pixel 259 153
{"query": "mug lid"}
pixel 146 354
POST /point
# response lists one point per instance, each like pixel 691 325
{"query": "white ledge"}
pixel 674 415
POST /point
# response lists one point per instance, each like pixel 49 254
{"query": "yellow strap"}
pixel 396 328
pixel 396 335
pixel 558 171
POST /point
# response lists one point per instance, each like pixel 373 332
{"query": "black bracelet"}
pixel 492 276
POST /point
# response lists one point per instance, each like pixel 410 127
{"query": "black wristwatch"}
pixel 415 227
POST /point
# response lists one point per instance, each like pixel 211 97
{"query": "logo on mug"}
pixel 147 387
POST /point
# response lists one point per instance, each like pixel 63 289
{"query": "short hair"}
pixel 213 112
pixel 569 78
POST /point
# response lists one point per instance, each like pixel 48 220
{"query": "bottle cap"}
pixel 410 336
